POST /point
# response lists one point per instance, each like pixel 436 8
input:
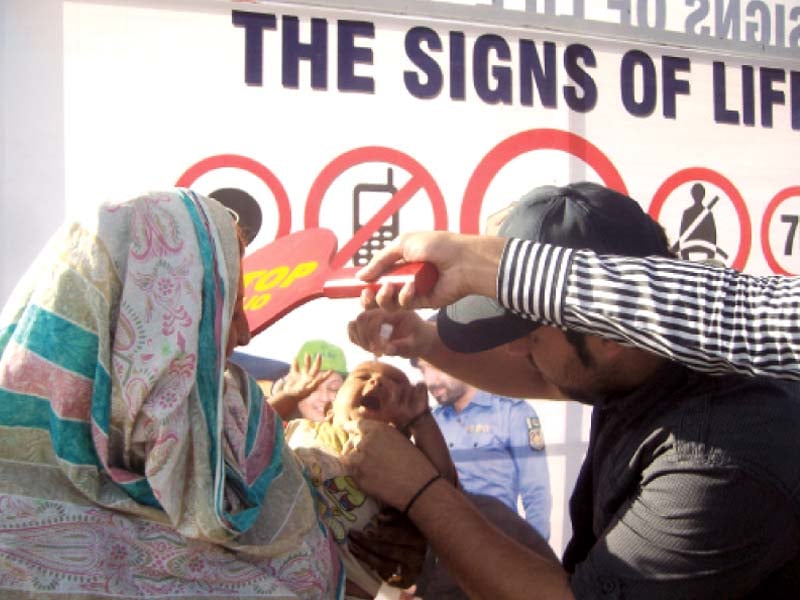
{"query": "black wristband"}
pixel 419 493
pixel 414 419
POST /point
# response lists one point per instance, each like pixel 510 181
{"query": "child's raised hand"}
pixel 303 380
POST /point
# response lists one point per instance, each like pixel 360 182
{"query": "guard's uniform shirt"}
pixel 498 449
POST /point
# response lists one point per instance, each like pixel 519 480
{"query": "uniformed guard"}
pixel 496 444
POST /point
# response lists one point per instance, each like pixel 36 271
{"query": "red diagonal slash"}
pixel 396 202
pixel 420 179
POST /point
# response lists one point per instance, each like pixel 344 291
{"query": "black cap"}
pixel 581 216
pixel 246 210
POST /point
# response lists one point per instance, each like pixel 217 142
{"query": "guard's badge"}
pixel 479 428
pixel 535 436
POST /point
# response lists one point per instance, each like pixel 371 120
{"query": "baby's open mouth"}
pixel 371 402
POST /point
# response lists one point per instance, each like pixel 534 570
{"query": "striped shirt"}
pixel 712 319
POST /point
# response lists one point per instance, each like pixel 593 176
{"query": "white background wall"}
pixel 113 98
pixel 31 132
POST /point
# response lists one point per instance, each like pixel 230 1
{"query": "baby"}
pixel 373 390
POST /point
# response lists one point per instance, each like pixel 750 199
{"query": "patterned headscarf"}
pixel 114 393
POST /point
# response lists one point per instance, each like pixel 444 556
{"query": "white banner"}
pixel 325 116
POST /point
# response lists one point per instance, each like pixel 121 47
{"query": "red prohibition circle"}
pixel 420 179
pixel 784 194
pixel 236 161
pixel 527 141
pixel 722 182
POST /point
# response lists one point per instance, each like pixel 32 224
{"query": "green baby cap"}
pixel 332 356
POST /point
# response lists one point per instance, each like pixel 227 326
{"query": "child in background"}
pixel 373 390
pixel 308 389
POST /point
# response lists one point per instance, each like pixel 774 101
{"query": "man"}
pixel 728 320
pixel 496 444
pixel 688 489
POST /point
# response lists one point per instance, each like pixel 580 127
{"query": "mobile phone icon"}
pixel 368 199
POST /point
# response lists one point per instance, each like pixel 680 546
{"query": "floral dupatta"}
pixel 120 427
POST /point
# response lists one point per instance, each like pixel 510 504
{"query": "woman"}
pixel 132 463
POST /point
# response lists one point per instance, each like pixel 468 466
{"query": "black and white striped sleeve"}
pixel 711 319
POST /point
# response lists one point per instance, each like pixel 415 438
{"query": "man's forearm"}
pixel 428 438
pixel 481 259
pixel 711 319
pixel 486 563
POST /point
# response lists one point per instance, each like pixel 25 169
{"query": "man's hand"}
pixel 467 264
pixel 385 464
pixel 411 336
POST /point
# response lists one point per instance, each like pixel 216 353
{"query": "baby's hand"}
pixel 411 403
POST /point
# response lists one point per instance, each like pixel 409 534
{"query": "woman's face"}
pixel 239 334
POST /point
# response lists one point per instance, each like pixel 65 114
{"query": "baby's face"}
pixel 368 391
